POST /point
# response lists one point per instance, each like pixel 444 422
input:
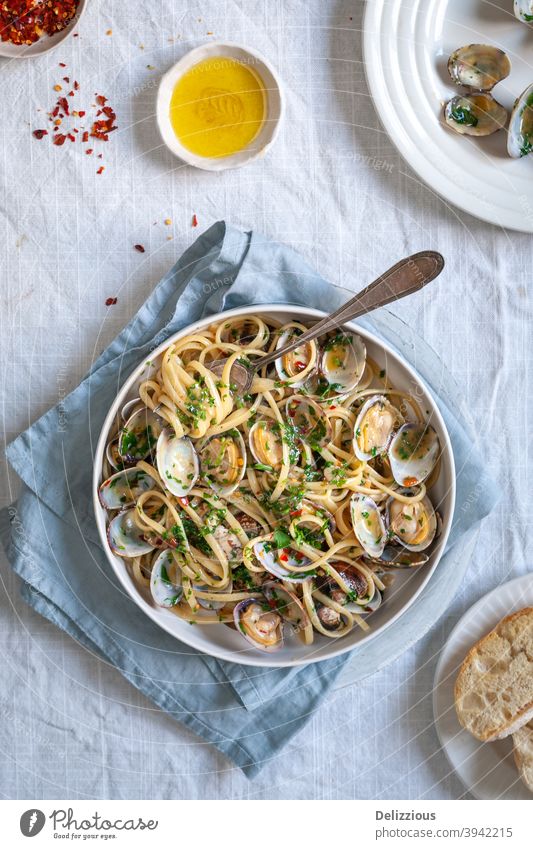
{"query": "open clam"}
pixel 166 581
pixel 343 361
pixel 476 114
pixel 368 524
pixel 520 136
pixel 279 561
pixel 177 463
pixel 413 453
pixel 479 66
pixel 413 525
pixel 290 365
pixel 124 488
pixel 266 444
pixel 395 557
pixel 139 435
pixel 374 427
pixel 361 592
pixel 523 10
pixel 262 628
pixel 310 421
pixel 289 606
pixel 223 462
pixel 125 537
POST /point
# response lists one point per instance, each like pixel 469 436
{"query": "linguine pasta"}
pixel 283 510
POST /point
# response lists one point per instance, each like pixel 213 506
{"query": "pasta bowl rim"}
pixel 193 636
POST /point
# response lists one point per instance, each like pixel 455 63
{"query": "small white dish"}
pixel 225 643
pixel 274 106
pixel 45 43
pixel 487 770
pixel 406 45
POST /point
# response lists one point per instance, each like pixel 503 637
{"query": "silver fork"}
pixel 406 277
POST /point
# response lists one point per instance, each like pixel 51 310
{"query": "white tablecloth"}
pixel 334 188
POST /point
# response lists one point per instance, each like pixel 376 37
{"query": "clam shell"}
pixel 374 427
pixel 289 366
pixel 139 435
pixel 393 557
pixel 266 444
pixel 269 558
pixel 413 453
pixel 368 524
pixel 177 463
pixel 165 592
pixel 479 66
pixel 124 488
pixel 223 462
pixel 523 10
pixel 125 538
pixel 520 136
pixel 310 421
pixel 288 605
pixel 412 525
pixel 251 621
pixel 476 114
pixel 343 361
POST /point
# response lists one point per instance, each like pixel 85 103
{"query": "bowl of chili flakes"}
pixel 32 27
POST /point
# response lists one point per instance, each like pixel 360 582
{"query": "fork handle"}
pixel 406 277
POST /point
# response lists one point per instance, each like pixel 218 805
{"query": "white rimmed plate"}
pixel 45 43
pixel 487 770
pixel 226 643
pixel 274 105
pixel 406 45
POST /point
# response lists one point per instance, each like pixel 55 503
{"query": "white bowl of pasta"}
pixel 287 526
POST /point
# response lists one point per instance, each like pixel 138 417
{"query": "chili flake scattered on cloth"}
pixel 25 21
pixel 97 127
pixel 140 248
pixel 111 302
pixel 194 221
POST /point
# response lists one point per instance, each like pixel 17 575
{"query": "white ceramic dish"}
pixel 44 44
pixel 486 769
pixel 407 44
pixel 274 106
pixel 225 643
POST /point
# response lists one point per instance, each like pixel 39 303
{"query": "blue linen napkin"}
pixel 50 535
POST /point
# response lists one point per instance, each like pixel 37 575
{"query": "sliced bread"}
pixel 523 753
pixel 494 688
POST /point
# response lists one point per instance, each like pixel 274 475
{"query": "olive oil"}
pixel 218 107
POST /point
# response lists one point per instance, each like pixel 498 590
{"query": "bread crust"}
pixel 494 687
pixel 523 754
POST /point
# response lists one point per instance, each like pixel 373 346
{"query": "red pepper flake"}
pixel 71 94
pixel 24 21
pixel 62 103
pixel 283 556
pixel 76 85
pixel 40 133
pixel 333 407
pixel 296 512
pixel 111 302
pixel 101 170
pixel 101 100
pixel 85 137
pixel 66 79
pixel 62 65
pixel 59 139
pixel 89 151
pixel 71 137
pixel 81 113
pixel 140 248
pixel 299 365
pixel 194 221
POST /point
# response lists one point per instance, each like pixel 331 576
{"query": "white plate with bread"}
pixel 483 694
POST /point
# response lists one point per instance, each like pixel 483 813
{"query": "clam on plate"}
pixel 407 46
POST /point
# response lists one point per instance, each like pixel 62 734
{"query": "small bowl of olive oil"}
pixel 220 106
